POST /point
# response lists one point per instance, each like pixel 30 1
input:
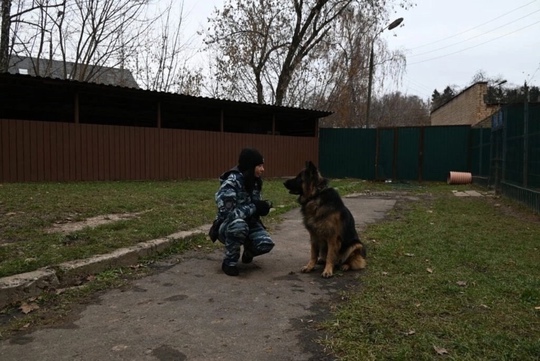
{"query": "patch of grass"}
pixel 28 210
pixel 447 277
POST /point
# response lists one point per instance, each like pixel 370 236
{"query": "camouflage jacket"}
pixel 232 199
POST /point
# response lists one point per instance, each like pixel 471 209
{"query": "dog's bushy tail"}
pixel 355 256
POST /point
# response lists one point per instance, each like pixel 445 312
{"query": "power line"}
pixel 416 87
pixel 532 76
pixel 474 37
pixel 466 31
pixel 474 46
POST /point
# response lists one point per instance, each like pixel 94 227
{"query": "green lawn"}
pixel 448 278
pixel 29 210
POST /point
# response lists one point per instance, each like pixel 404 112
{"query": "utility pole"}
pixel 393 24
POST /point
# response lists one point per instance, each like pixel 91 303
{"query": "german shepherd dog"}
pixel 333 237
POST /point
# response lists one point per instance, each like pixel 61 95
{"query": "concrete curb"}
pixel 20 287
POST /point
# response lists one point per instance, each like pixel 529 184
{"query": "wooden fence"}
pixel 37 151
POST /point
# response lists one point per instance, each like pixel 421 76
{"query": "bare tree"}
pixel 348 63
pixel 399 110
pixel 163 60
pixel 344 89
pixel 263 45
pixel 89 35
pixel 101 33
pixel 23 16
pixel 89 38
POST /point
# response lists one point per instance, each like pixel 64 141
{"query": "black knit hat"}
pixel 249 158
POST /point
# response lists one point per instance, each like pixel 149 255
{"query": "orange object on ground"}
pixel 459 178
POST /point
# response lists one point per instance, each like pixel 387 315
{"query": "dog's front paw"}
pixel 328 270
pixel 327 274
pixel 307 268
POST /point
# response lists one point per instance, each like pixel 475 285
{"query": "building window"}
pixel 23 71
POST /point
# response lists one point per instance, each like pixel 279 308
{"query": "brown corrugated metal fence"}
pixel 34 151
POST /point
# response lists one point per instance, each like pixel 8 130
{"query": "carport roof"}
pixel 188 100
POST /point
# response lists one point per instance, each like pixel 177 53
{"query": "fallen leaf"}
pixel 409 254
pixel 440 351
pixel 385 273
pixel 410 333
pixel 429 270
pixel 537 308
pixel 26 308
pixel 461 283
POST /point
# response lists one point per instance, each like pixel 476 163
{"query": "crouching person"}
pixel 240 207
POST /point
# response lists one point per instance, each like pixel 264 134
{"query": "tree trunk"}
pixel 281 89
pixel 4 36
pixel 259 85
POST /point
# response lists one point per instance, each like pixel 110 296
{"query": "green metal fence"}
pixel 481 155
pixel 347 153
pixel 505 157
pixel 409 153
pixel 445 149
pixel 515 153
pixel 398 154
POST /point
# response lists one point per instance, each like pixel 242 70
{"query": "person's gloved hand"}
pixel 262 207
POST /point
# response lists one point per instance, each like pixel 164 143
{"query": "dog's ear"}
pixel 310 166
pixel 307 164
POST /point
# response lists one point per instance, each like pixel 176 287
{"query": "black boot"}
pixel 247 256
pixel 229 270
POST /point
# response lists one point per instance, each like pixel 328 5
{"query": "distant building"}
pixel 466 108
pixel 70 71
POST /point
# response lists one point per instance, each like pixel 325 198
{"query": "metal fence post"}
pixel 526 137
pixel 504 146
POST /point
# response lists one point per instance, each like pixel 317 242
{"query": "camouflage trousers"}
pixel 253 236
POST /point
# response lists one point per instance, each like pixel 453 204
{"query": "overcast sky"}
pixel 448 42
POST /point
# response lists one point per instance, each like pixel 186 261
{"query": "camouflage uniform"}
pixel 241 225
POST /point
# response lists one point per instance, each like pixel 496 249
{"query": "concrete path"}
pixel 192 311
